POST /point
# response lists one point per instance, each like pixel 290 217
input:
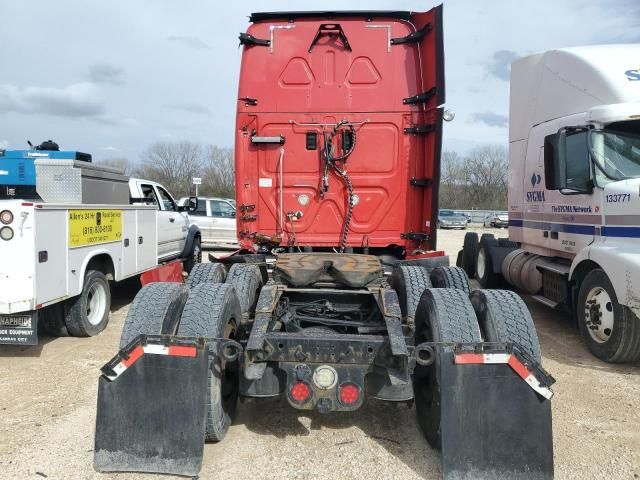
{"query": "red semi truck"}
pixel 339 294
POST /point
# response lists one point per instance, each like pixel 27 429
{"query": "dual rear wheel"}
pixel 451 313
pixel 201 308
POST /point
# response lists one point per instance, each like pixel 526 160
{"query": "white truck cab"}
pixel 574 190
pixel 173 222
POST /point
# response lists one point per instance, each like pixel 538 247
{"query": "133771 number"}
pixel 618 197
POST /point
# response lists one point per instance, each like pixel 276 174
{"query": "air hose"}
pixel 329 160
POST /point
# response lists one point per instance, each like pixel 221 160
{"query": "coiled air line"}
pixel 329 159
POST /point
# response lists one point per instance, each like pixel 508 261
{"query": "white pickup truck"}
pixel 58 257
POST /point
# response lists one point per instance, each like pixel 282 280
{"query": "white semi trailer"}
pixel 574 193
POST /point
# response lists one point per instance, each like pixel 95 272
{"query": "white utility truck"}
pixel 574 193
pixel 90 225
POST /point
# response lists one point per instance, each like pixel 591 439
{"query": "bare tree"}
pixel 451 179
pixel 172 164
pixel 479 180
pixel 218 174
pixel 120 163
pixel 485 175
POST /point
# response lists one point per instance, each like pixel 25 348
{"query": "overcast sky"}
pixel 111 77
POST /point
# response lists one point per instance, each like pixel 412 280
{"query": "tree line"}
pixel 476 180
pixel 174 164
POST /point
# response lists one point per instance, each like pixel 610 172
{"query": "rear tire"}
pixel 443 315
pixel 409 282
pixel 206 273
pixel 213 310
pixel 427 263
pixel 88 314
pixel 247 281
pixel 504 317
pixel 155 310
pixel 469 252
pixel 450 277
pixel 614 336
pixel 484 264
pixel 195 257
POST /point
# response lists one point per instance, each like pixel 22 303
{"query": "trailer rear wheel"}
pixel 450 277
pixel 610 330
pixel 88 314
pixel 206 273
pixel 156 310
pixel 247 281
pixel 443 315
pixel 469 252
pixel 213 310
pixel 504 317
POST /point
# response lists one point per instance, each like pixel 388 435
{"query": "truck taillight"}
pixel 6 217
pixel 300 392
pixel 349 394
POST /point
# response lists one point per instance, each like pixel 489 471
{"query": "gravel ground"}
pixel 48 395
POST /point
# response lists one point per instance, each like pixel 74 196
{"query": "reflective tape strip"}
pixel 505 358
pixel 475 358
pixel 134 355
pixel 151 349
pixel 469 358
pixel 156 349
pixel 528 377
pixel 178 351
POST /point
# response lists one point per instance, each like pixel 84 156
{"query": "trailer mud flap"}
pixel 151 410
pixel 496 421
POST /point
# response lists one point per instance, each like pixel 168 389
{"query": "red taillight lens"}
pixel 349 394
pixel 300 392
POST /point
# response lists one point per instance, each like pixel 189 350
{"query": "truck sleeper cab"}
pixel 574 208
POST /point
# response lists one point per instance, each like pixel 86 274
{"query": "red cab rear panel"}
pixel 303 72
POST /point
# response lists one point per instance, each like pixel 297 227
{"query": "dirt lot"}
pixel 48 394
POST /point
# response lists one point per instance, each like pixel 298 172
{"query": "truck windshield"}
pixel 616 154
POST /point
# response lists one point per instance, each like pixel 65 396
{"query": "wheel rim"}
pixel 598 314
pixel 480 267
pixel 197 254
pixel 96 303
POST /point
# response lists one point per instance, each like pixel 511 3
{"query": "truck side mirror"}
pixel 567 164
pixel 190 206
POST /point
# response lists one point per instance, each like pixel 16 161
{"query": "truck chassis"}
pixel 327 331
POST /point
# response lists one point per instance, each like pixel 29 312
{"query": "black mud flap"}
pixel 151 409
pixel 494 425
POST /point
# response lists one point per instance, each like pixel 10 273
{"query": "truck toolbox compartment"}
pixel 83 182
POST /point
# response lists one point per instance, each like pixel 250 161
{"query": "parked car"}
pixel 497 220
pixel 216 218
pixel 451 219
